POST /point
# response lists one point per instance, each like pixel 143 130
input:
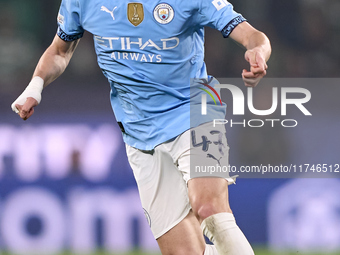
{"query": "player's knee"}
pixel 203 210
pixel 206 210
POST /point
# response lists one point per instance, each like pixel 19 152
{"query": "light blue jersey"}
pixel 150 50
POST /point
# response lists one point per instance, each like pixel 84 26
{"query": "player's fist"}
pixel 31 97
pixel 258 68
pixel 27 109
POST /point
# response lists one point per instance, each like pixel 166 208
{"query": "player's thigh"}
pixel 162 190
pixel 203 151
pixel 185 238
pixel 205 166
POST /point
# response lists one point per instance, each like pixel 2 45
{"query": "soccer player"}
pixel 150 51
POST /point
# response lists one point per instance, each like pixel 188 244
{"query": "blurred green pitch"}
pixel 258 251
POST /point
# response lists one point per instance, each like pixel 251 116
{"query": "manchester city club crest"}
pixel 163 13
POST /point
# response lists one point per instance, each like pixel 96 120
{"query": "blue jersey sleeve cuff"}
pixel 226 31
pixel 68 38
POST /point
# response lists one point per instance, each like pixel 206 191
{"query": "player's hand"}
pixel 31 97
pixel 27 109
pixel 258 68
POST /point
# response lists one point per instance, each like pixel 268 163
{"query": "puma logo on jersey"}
pixel 212 156
pixel 104 9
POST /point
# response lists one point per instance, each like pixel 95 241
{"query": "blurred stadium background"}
pixel 65 183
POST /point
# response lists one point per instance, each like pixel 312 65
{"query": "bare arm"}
pixel 257 54
pixel 55 60
pixel 50 66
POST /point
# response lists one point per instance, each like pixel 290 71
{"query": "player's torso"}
pixel 149 50
pixel 153 31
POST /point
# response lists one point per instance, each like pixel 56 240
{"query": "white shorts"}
pixel 162 174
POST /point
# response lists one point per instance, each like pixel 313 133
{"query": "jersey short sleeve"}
pixel 69 21
pixel 219 14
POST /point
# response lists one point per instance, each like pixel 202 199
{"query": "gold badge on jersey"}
pixel 135 13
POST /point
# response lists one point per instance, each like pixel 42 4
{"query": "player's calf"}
pixel 221 229
pixel 210 250
pixel 209 201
